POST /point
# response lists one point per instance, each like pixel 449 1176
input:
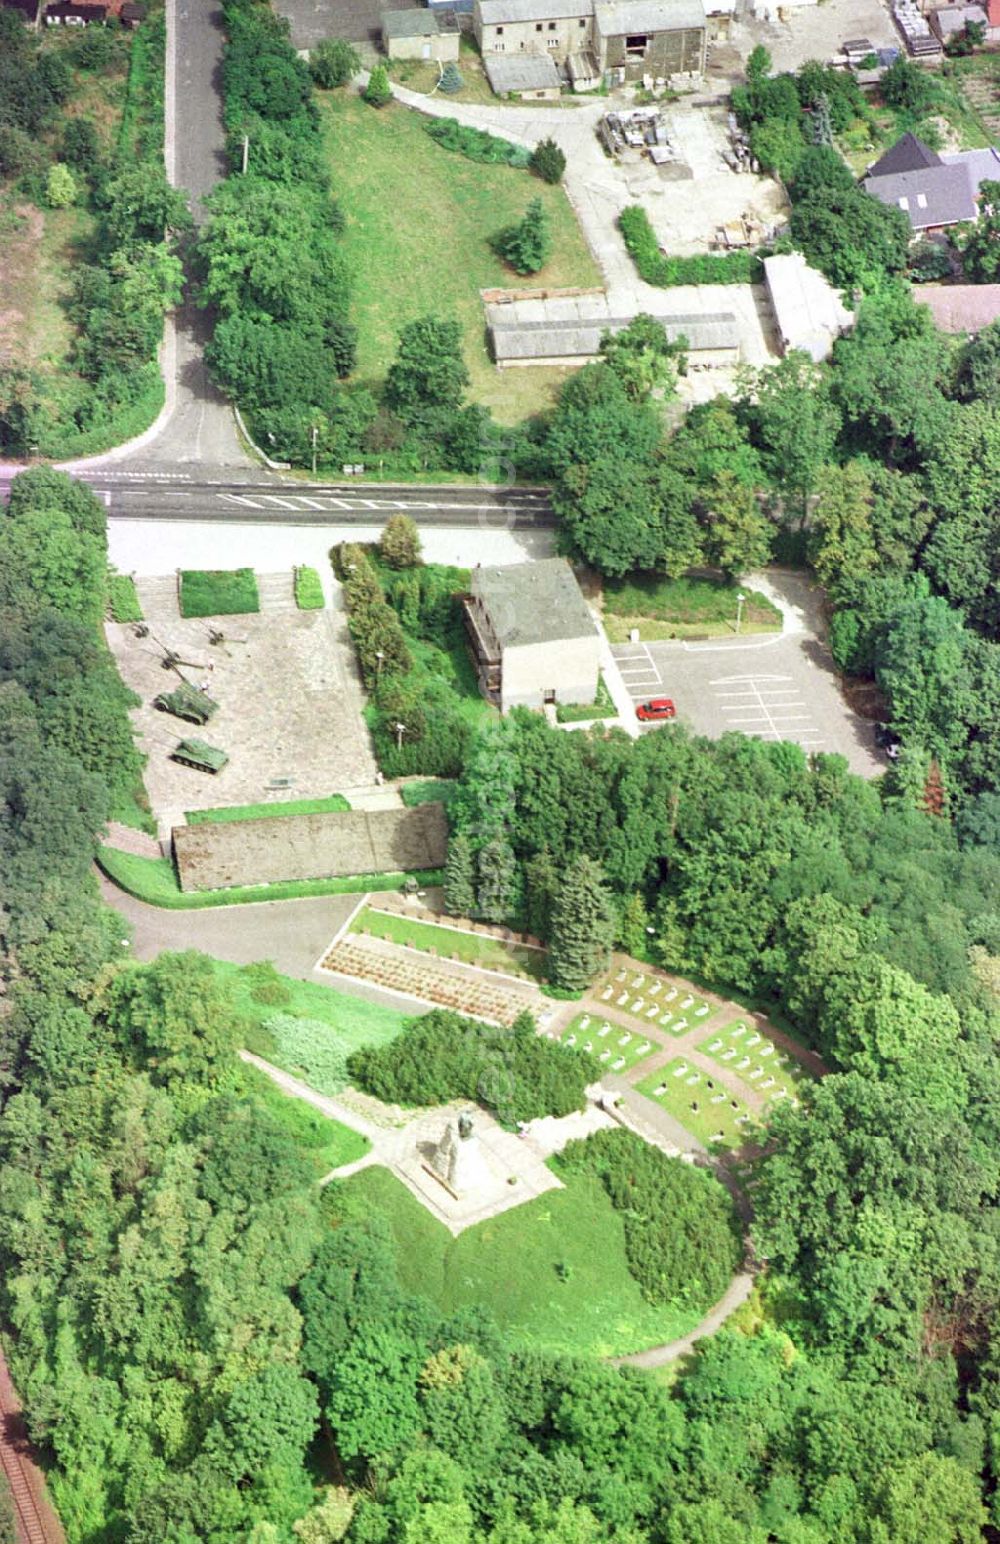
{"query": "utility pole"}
pixel 379 658
pixel 315 432
pixel 246 152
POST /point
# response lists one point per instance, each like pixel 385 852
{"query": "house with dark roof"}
pixel 932 192
pixel 532 636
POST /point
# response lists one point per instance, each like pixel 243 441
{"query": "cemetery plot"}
pixel 701 1105
pixel 442 984
pixel 480 949
pixel 615 1048
pixel 768 1069
pixel 653 1000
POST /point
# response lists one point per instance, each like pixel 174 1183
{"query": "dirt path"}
pixel 737 1292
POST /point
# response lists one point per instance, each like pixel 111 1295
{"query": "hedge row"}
pixel 476 144
pixel 706 268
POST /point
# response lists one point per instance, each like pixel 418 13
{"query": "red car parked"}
pixel 656 708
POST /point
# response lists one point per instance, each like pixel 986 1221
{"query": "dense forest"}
pixel 210 1350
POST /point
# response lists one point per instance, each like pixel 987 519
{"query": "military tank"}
pixel 199 755
pixel 187 702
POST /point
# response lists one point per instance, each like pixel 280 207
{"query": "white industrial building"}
pixel 808 311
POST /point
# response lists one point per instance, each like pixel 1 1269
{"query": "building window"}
pixel 582 22
pixel 553 42
pixel 499 32
pixel 538 26
pixel 636 44
pixel 921 200
pixel 904 203
pixel 552 26
pixel 549 694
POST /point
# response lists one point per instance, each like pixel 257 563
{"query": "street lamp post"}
pixel 379 657
pixel 400 731
pixel 740 598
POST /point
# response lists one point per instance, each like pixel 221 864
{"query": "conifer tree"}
pixel 459 877
pixel 583 927
pixel 497 880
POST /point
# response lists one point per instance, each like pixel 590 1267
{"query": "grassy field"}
pixel 154 880
pixel 617 1049
pixel 216 592
pixel 509 1265
pixel 428 790
pixel 471 948
pixel 356 1021
pixel 335 801
pixel 324 1143
pixel 683 608
pixel 687 1094
pixel 419 220
pixel 755 1059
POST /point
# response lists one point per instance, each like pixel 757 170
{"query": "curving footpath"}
pixel 736 1293
pixel 35 1519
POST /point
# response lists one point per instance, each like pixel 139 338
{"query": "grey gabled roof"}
pixel 409 24
pixel 498 13
pixel 520 72
pixel 938 195
pixel 533 602
pixel 637 16
pixel 573 338
pixel 908 154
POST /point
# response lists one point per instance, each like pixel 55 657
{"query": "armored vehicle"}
pixel 186 701
pixel 200 755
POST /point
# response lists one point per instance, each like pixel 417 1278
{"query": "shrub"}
pixel 682 1239
pixel 309 1049
pixel 333 62
pixel 378 92
pixel 444 1056
pixel 123 601
pixel 266 985
pixel 548 161
pixel 308 589
pixel 400 542
pixel 216 592
pixel 451 79
pixel 60 187
pixel 526 246
pixel 707 268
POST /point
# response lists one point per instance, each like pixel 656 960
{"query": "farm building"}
pixel 808 311
pixel 422 34
pixel 567 329
pixel 532 76
pixel 533 638
pixel 620 41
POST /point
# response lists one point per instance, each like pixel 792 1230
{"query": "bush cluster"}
pixel 374 626
pixel 682 1239
pixel 707 268
pixel 123 600
pixel 476 144
pixel 217 592
pixel 310 1050
pixel 444 1056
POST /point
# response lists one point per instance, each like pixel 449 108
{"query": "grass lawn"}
pixel 308 589
pixel 687 1094
pixel 682 608
pixel 335 801
pixel 217 592
pixel 356 1021
pixel 617 1049
pixel 324 1143
pixel 508 1265
pixel 669 1007
pixel 154 880
pixel 471 948
pixel 123 599
pixel 756 1061
pixel 580 712
pixel 419 220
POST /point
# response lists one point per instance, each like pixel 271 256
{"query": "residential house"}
pixel 932 191
pixel 533 638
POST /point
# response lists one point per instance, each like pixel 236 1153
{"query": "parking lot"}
pixel 772 688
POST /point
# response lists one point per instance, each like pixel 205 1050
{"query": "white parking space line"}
pixel 769 706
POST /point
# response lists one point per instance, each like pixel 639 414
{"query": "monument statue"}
pixel 459 1161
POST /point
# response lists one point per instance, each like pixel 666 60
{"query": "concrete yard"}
pixel 817 32
pixel 290 704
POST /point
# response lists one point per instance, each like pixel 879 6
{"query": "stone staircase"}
pixel 158 596
pixel 277 591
